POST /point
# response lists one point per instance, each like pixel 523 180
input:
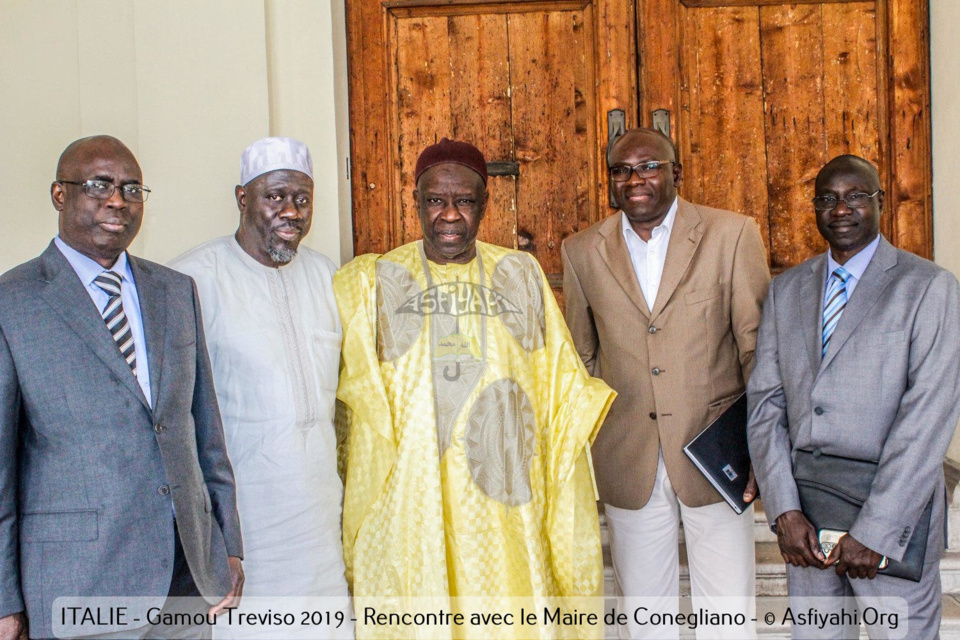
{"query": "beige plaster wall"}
pixel 945 50
pixel 202 96
pixel 308 100
pixel 186 95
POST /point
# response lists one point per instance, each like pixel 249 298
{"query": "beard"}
pixel 282 254
pixel 280 249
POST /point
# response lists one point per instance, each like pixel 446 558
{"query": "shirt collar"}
pixel 87 268
pixel 666 225
pixel 856 265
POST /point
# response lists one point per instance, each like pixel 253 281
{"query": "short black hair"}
pixel 845 163
pixel 645 130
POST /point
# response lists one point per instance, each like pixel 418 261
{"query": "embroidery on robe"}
pixel 519 283
pixel 458 361
pixel 458 365
pixel 499 442
pixel 459 298
pixel 396 332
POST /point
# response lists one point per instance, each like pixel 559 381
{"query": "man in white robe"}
pixel 273 333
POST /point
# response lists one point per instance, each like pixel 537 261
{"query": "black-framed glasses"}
pixel 102 190
pixel 647 169
pixel 853 200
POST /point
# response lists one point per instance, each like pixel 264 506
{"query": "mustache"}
pixel 451 228
pixel 289 224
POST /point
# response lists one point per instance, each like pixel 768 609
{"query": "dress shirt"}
pixel 87 270
pixel 648 257
pixel 855 267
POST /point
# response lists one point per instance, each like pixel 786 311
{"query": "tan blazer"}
pixel 677 366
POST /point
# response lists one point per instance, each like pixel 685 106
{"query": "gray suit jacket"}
pixel 87 469
pixel 888 389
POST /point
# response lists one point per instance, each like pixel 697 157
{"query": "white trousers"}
pixel 646 561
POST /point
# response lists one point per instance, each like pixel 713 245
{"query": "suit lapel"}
pixel 613 251
pixel 684 240
pixel 875 280
pixel 68 298
pixel 153 304
pixel 810 309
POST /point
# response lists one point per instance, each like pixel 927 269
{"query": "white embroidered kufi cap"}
pixel 274 154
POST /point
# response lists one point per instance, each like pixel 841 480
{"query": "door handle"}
pixel 503 169
pixel 616 127
pixel 661 121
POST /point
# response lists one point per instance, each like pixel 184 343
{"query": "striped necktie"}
pixel 116 319
pixel 836 301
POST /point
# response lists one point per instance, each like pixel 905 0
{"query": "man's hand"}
pixel 13 627
pixel 232 599
pixel 753 489
pixel 854 559
pixel 798 541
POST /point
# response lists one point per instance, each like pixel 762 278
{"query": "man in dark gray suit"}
pixel 113 468
pixel 858 356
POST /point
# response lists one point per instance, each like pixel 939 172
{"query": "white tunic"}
pixel 274 340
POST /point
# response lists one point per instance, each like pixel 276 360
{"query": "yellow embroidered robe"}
pixel 465 420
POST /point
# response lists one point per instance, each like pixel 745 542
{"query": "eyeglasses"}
pixel 102 190
pixel 852 200
pixel 647 169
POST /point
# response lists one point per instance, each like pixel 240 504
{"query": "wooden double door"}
pixel 757 94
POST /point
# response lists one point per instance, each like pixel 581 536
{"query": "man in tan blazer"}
pixel 663 302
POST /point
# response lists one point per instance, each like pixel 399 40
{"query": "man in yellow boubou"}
pixel 467 418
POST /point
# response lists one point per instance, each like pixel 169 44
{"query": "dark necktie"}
pixel 116 319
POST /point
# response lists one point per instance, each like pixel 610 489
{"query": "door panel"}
pixel 796 129
pixel 520 80
pixel 909 152
pixel 508 83
pixel 812 53
pixel 769 90
pixel 553 111
pixel 722 119
pixel 760 94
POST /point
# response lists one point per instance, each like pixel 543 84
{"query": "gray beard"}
pixel 282 256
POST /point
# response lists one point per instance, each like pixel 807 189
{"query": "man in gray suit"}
pixel 113 468
pixel 858 356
